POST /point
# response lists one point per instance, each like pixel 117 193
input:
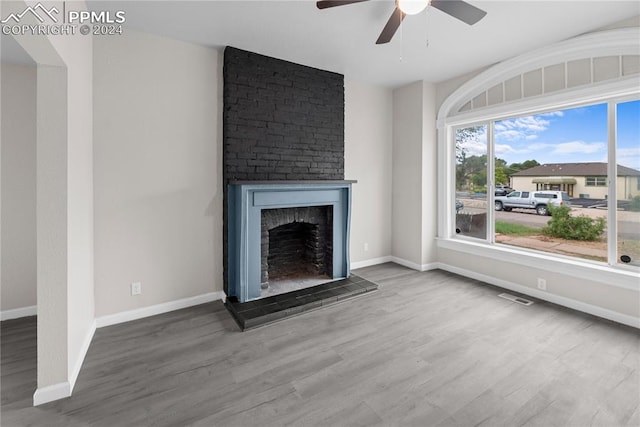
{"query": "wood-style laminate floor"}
pixel 426 349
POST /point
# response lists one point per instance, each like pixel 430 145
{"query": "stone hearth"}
pixel 264 311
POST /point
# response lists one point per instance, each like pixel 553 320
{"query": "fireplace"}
pixel 296 248
pixel 291 234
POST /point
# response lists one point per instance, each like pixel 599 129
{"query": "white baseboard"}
pixel 370 262
pixel 413 265
pixel 83 353
pixel 400 261
pixel 50 393
pixel 605 313
pixel 16 313
pixel 140 313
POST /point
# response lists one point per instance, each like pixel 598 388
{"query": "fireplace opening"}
pixel 296 248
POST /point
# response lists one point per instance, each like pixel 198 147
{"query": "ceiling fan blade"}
pixel 323 4
pixel 392 26
pixel 460 9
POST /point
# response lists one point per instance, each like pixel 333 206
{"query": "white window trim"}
pixel 616 42
pixel 604 43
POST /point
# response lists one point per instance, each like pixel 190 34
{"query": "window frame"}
pixel 596 181
pixel 610 92
pixel 612 190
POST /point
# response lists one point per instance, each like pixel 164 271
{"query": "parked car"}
pixel 538 200
pixel 459 205
pixel 502 190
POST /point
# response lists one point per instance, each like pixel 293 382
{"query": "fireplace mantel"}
pixel 246 201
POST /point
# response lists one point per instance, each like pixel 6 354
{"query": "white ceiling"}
pixel 342 39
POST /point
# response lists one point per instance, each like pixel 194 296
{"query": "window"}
pixel 561 152
pixel 471 181
pixel 548 151
pixel 596 181
pixel 627 250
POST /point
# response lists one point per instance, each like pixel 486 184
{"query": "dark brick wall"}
pixel 281 121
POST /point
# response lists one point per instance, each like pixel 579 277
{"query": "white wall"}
pixel 64 203
pixel 414 220
pixel 407 174
pixel 429 174
pixel 368 159
pixel 52 197
pixel 158 179
pixel 595 296
pixel 77 53
pixel 447 87
pixel 19 269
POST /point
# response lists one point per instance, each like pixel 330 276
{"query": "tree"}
pixel 471 171
pixel 465 135
pixel 528 164
pixel 461 170
pixel 501 176
pixel 466 166
pixel 517 167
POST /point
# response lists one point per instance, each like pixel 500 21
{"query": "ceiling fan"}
pixel 456 8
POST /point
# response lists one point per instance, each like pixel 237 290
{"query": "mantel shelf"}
pixel 303 182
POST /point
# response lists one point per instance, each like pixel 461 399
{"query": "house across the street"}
pixel 583 180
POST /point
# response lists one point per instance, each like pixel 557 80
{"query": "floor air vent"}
pixel 516 299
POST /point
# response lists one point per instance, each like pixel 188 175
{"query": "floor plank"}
pixel 426 349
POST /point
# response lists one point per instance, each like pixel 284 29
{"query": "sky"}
pixel 566 136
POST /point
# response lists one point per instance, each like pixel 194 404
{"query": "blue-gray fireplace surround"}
pixel 247 199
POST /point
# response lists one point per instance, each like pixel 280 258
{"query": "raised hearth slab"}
pixel 260 312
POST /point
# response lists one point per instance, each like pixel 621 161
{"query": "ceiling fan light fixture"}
pixel 412 7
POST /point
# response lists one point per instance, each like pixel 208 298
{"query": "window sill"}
pixel 587 270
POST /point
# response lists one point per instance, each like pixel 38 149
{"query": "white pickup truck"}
pixel 538 200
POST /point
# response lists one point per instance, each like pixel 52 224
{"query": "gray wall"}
pixel 19 269
pixel 368 159
pixel 407 174
pixel 158 171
